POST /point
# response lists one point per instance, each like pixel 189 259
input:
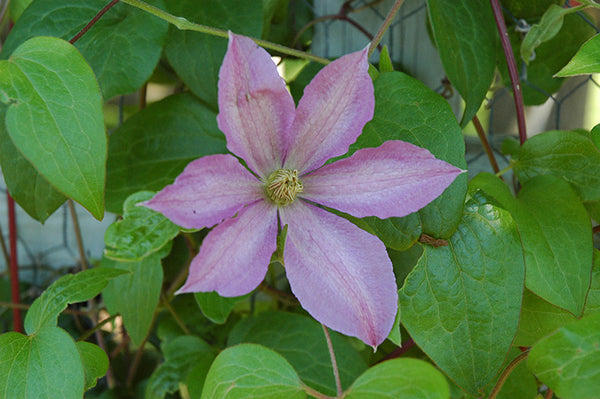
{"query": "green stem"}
pixel 97 327
pixel 384 26
pixel 506 372
pixel 183 24
pixel 176 317
pixel 503 171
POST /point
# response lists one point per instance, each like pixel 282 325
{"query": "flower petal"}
pixel 208 190
pixel 335 107
pixel 340 274
pixel 394 179
pixel 234 256
pixel 254 105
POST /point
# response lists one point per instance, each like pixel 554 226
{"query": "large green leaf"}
pixel 557 240
pixel 569 155
pixel 407 110
pixel 25 184
pixel 55 117
pixel 197 57
pixel 301 341
pixel 95 362
pixel 45 365
pixel 555 234
pixel 568 361
pixel 587 59
pixel 465 34
pixel 70 288
pixel 135 295
pixel 400 378
pixel 181 354
pixel 251 371
pixel 140 233
pixel 123 47
pixel 461 303
pixel 152 147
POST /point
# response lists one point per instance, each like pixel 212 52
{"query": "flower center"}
pixel 283 185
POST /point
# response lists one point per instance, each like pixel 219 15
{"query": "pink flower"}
pixel 340 274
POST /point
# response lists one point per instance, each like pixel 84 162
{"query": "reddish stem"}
pixel 512 69
pixel 14 266
pixel 93 21
pixel 486 144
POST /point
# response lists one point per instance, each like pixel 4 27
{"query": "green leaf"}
pixel 215 307
pixel 586 61
pixel 70 288
pixel 546 29
pixel 395 334
pixel 140 233
pixel 540 318
pixel 181 354
pixel 564 154
pixel 197 57
pixel 550 57
pixel 385 62
pixel 396 233
pixel 27 187
pixel 555 234
pixel 251 371
pixel 95 362
pixel 55 118
pixel 45 365
pixel 123 47
pixel 301 341
pixel 17 7
pixel 197 376
pixel 461 303
pixel 400 378
pixel 153 146
pixel 568 362
pixel 407 110
pixel 134 295
pixel 557 241
pixel 465 34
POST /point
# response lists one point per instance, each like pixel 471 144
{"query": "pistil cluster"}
pixel 283 186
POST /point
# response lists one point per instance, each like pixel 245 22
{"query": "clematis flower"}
pixel 340 274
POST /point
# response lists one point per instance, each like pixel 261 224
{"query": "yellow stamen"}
pixel 283 186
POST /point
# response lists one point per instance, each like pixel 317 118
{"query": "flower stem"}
pixel 183 24
pixel 506 372
pixel 512 69
pixel 336 372
pixel 486 144
pixel 385 25
pixel 78 236
pixel 315 393
pixel 93 21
